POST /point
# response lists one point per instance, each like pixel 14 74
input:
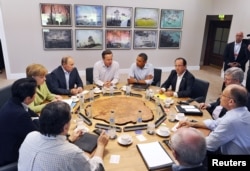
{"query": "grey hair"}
pixel 236 73
pixel 189 145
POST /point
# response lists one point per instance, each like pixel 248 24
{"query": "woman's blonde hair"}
pixel 36 70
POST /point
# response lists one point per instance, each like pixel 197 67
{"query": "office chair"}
pixel 199 91
pixel 89 75
pixel 157 77
pixel 49 81
pixel 9 167
pixel 5 94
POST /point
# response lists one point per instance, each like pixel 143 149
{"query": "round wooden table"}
pixel 130 158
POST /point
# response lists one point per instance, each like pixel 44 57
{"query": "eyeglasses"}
pixel 228 79
pixel 226 96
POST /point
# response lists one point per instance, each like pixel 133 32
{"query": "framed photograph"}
pixel 118 39
pixel 55 14
pixel 145 39
pixel 171 18
pixel 89 39
pixel 119 16
pixel 169 39
pixel 57 39
pixel 88 15
pixel 146 17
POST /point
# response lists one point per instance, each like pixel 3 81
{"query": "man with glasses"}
pixel 232 75
pixel 230 133
pixel 180 80
pixel 188 146
pixel 235 54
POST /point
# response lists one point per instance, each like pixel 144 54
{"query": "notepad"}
pixel 189 110
pixel 154 155
pixel 87 142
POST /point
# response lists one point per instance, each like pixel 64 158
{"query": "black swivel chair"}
pixel 157 77
pixel 199 91
pixel 89 75
pixel 49 81
pixel 5 94
pixel 9 167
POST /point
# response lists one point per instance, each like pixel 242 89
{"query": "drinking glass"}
pixel 128 90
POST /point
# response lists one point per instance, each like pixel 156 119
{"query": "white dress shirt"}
pixel 103 73
pixel 39 152
pixel 141 73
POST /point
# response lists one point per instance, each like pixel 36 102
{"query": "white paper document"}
pixel 154 155
pixel 69 101
pixel 187 107
pixel 193 110
pixel 141 138
pixel 114 159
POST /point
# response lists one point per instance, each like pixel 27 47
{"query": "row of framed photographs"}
pixel 89 39
pixel 121 17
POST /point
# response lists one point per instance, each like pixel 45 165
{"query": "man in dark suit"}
pixel 247 42
pixel 16 119
pixel 65 79
pixel 233 75
pixel 235 53
pixel 180 80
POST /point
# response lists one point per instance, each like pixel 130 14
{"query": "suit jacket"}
pixel 56 81
pixel 214 105
pixel 229 55
pixel 185 85
pixel 15 124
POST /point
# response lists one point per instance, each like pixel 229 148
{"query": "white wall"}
pixel 240 11
pixel 21 34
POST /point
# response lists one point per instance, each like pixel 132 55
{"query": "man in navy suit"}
pixel 233 75
pixel 65 79
pixel 180 80
pixel 235 53
pixel 16 119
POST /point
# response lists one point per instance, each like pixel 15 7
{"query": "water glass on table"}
pixel 89 111
pixel 112 132
pixel 147 94
pixel 151 128
pixel 172 117
pixel 128 90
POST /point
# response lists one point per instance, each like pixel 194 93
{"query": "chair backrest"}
pixel 9 167
pixel 89 75
pixel 49 82
pixel 200 89
pixel 5 94
pixel 157 77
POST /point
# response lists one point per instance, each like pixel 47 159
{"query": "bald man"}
pixel 235 53
pixel 230 133
pixel 65 79
pixel 189 149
